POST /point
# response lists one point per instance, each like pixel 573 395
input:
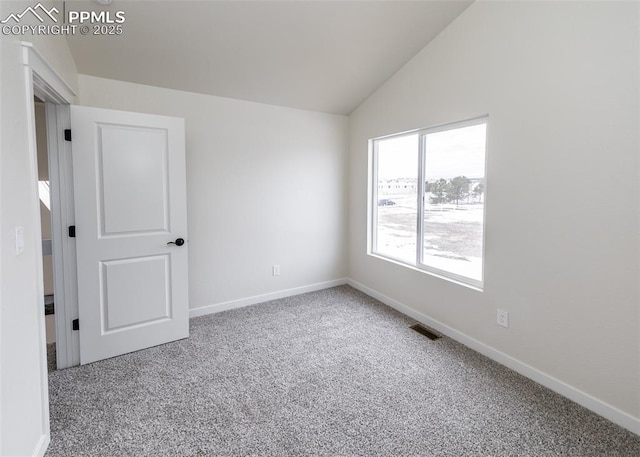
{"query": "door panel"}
pixel 130 196
pixel 130 293
pixel 134 181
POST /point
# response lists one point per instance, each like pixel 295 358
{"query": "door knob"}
pixel 177 242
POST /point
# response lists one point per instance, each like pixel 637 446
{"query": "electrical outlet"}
pixel 276 270
pixel 503 318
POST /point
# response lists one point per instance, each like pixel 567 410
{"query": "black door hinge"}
pixel 75 324
pixel 67 134
pixel 72 231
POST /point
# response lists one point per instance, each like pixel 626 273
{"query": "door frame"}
pixel 42 80
pixel 65 274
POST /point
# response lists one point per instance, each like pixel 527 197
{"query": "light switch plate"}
pixel 19 240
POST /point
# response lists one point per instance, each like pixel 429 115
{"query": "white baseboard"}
pixel 41 447
pixel 233 304
pixel 597 406
pixel 591 403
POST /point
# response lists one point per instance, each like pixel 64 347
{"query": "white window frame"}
pixel 373 203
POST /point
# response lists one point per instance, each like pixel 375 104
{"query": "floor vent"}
pixel 422 330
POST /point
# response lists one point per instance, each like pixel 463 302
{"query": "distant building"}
pixel 397 186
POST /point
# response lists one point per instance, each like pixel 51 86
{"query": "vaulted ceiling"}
pixel 317 55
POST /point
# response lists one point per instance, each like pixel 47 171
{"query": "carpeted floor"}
pixel 51 357
pixel 331 373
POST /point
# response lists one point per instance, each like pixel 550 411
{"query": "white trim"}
pixel 41 447
pixel 599 407
pixel 41 80
pixel 482 119
pixel 35 211
pixel 47 82
pixel 242 302
pixel 422 160
pixel 372 196
pixel 440 274
pixel 64 248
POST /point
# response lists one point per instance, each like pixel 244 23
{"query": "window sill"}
pixel 469 283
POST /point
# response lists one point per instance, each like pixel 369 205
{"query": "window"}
pixel 44 193
pixel 428 199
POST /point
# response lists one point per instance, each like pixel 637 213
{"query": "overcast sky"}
pixel 450 153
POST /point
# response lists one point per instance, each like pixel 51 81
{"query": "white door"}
pixel 130 202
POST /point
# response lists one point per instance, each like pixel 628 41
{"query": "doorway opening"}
pixel 44 192
pixel 48 98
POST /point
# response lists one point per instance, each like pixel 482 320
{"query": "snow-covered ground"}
pixel 453 234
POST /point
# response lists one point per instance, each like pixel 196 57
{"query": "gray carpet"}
pixel 332 373
pixel 51 357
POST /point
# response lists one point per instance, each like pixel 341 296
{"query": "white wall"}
pixel 266 185
pixel 54 49
pixel 23 400
pixel 560 83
